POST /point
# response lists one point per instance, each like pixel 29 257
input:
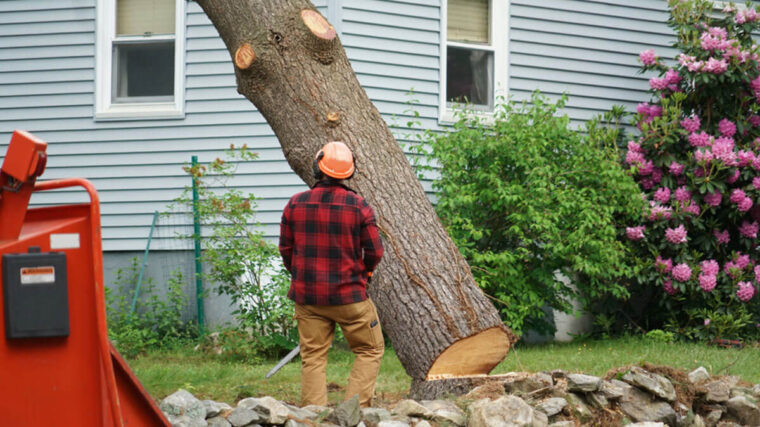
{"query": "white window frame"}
pixel 499 33
pixel 105 108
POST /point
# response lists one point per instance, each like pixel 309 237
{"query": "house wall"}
pixel 587 48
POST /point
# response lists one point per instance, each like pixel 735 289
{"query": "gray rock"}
pixel 422 423
pixel 647 424
pixel 583 383
pixel 713 417
pixel 744 410
pixel 218 422
pixel 698 375
pixel 552 406
pixel 410 408
pixel 300 413
pixel 242 416
pixel 505 411
pixel 578 407
pixel 653 383
pixel 563 424
pixel 717 391
pixel 375 415
pixel 743 391
pixel 182 402
pixel 698 422
pixel 728 423
pixel 392 423
pixel 445 412
pixel 756 390
pixel 348 413
pixel 539 381
pixel 597 400
pixel 273 411
pixel 614 389
pixel 321 411
pixel 214 408
pixel 294 423
pixel 640 407
pixel 185 421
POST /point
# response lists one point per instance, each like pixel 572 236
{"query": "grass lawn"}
pixel 206 376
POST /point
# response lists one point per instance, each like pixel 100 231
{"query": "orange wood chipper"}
pixel 57 366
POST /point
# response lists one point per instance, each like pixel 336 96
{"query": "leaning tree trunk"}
pixel 291 65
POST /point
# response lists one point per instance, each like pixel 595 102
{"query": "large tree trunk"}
pixel 291 65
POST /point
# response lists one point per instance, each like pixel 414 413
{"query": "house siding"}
pixel 587 48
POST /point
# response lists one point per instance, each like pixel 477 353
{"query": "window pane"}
pixel 138 17
pixel 468 21
pixel 469 76
pixel 145 69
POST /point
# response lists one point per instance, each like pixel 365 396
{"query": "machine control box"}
pixel 35 295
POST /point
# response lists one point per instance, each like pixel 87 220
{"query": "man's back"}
pixel 329 242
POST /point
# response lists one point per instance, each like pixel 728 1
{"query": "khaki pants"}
pixel 361 327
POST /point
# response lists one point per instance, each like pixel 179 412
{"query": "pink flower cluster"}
pixel 749 229
pixel 708 277
pixel 738 197
pixel 713 199
pixel 715 38
pixel 659 212
pixel 691 124
pixel 727 128
pixel 676 235
pixel 670 81
pixel 746 291
pixel 635 233
pixel 722 237
pixel 668 287
pixel 663 265
pixel 648 57
pixel 747 15
pixel 681 272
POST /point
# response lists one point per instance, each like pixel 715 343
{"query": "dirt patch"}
pixel 492 390
pixel 604 418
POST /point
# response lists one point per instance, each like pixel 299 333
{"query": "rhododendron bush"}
pixel 697 161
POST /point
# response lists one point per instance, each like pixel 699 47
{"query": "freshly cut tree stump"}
pixel 300 80
pixel 439 388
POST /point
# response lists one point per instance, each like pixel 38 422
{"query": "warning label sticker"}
pixel 37 275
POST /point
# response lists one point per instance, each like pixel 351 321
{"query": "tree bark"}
pixel 291 65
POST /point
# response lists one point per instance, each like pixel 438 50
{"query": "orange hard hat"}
pixel 336 160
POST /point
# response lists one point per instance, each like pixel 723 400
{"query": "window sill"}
pixel 142 111
pixel 449 116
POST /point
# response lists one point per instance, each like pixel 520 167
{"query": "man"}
pixel 330 244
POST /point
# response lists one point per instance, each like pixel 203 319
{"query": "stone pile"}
pixel 635 396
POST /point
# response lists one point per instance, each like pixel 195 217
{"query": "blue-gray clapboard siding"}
pixel 47 57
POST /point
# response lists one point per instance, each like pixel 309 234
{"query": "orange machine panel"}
pixel 79 379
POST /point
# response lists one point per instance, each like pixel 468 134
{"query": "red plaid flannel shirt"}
pixel 329 242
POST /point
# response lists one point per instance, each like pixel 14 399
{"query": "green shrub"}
pixel 526 198
pixel 240 261
pixel 155 322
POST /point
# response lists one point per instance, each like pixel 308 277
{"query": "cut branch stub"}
pixel 318 25
pixel 244 56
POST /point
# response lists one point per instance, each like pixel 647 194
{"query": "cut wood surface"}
pixel 303 84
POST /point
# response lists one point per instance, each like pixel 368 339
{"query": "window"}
pixel 474 54
pixel 140 59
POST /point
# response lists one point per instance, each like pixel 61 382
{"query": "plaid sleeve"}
pixel 370 238
pixel 286 237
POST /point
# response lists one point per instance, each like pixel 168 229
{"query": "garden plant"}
pixel 696 159
pixel 529 200
pixel 240 262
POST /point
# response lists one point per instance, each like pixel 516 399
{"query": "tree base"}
pixel 448 387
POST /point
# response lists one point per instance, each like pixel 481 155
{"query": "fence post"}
pixel 197 238
pixel 144 262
